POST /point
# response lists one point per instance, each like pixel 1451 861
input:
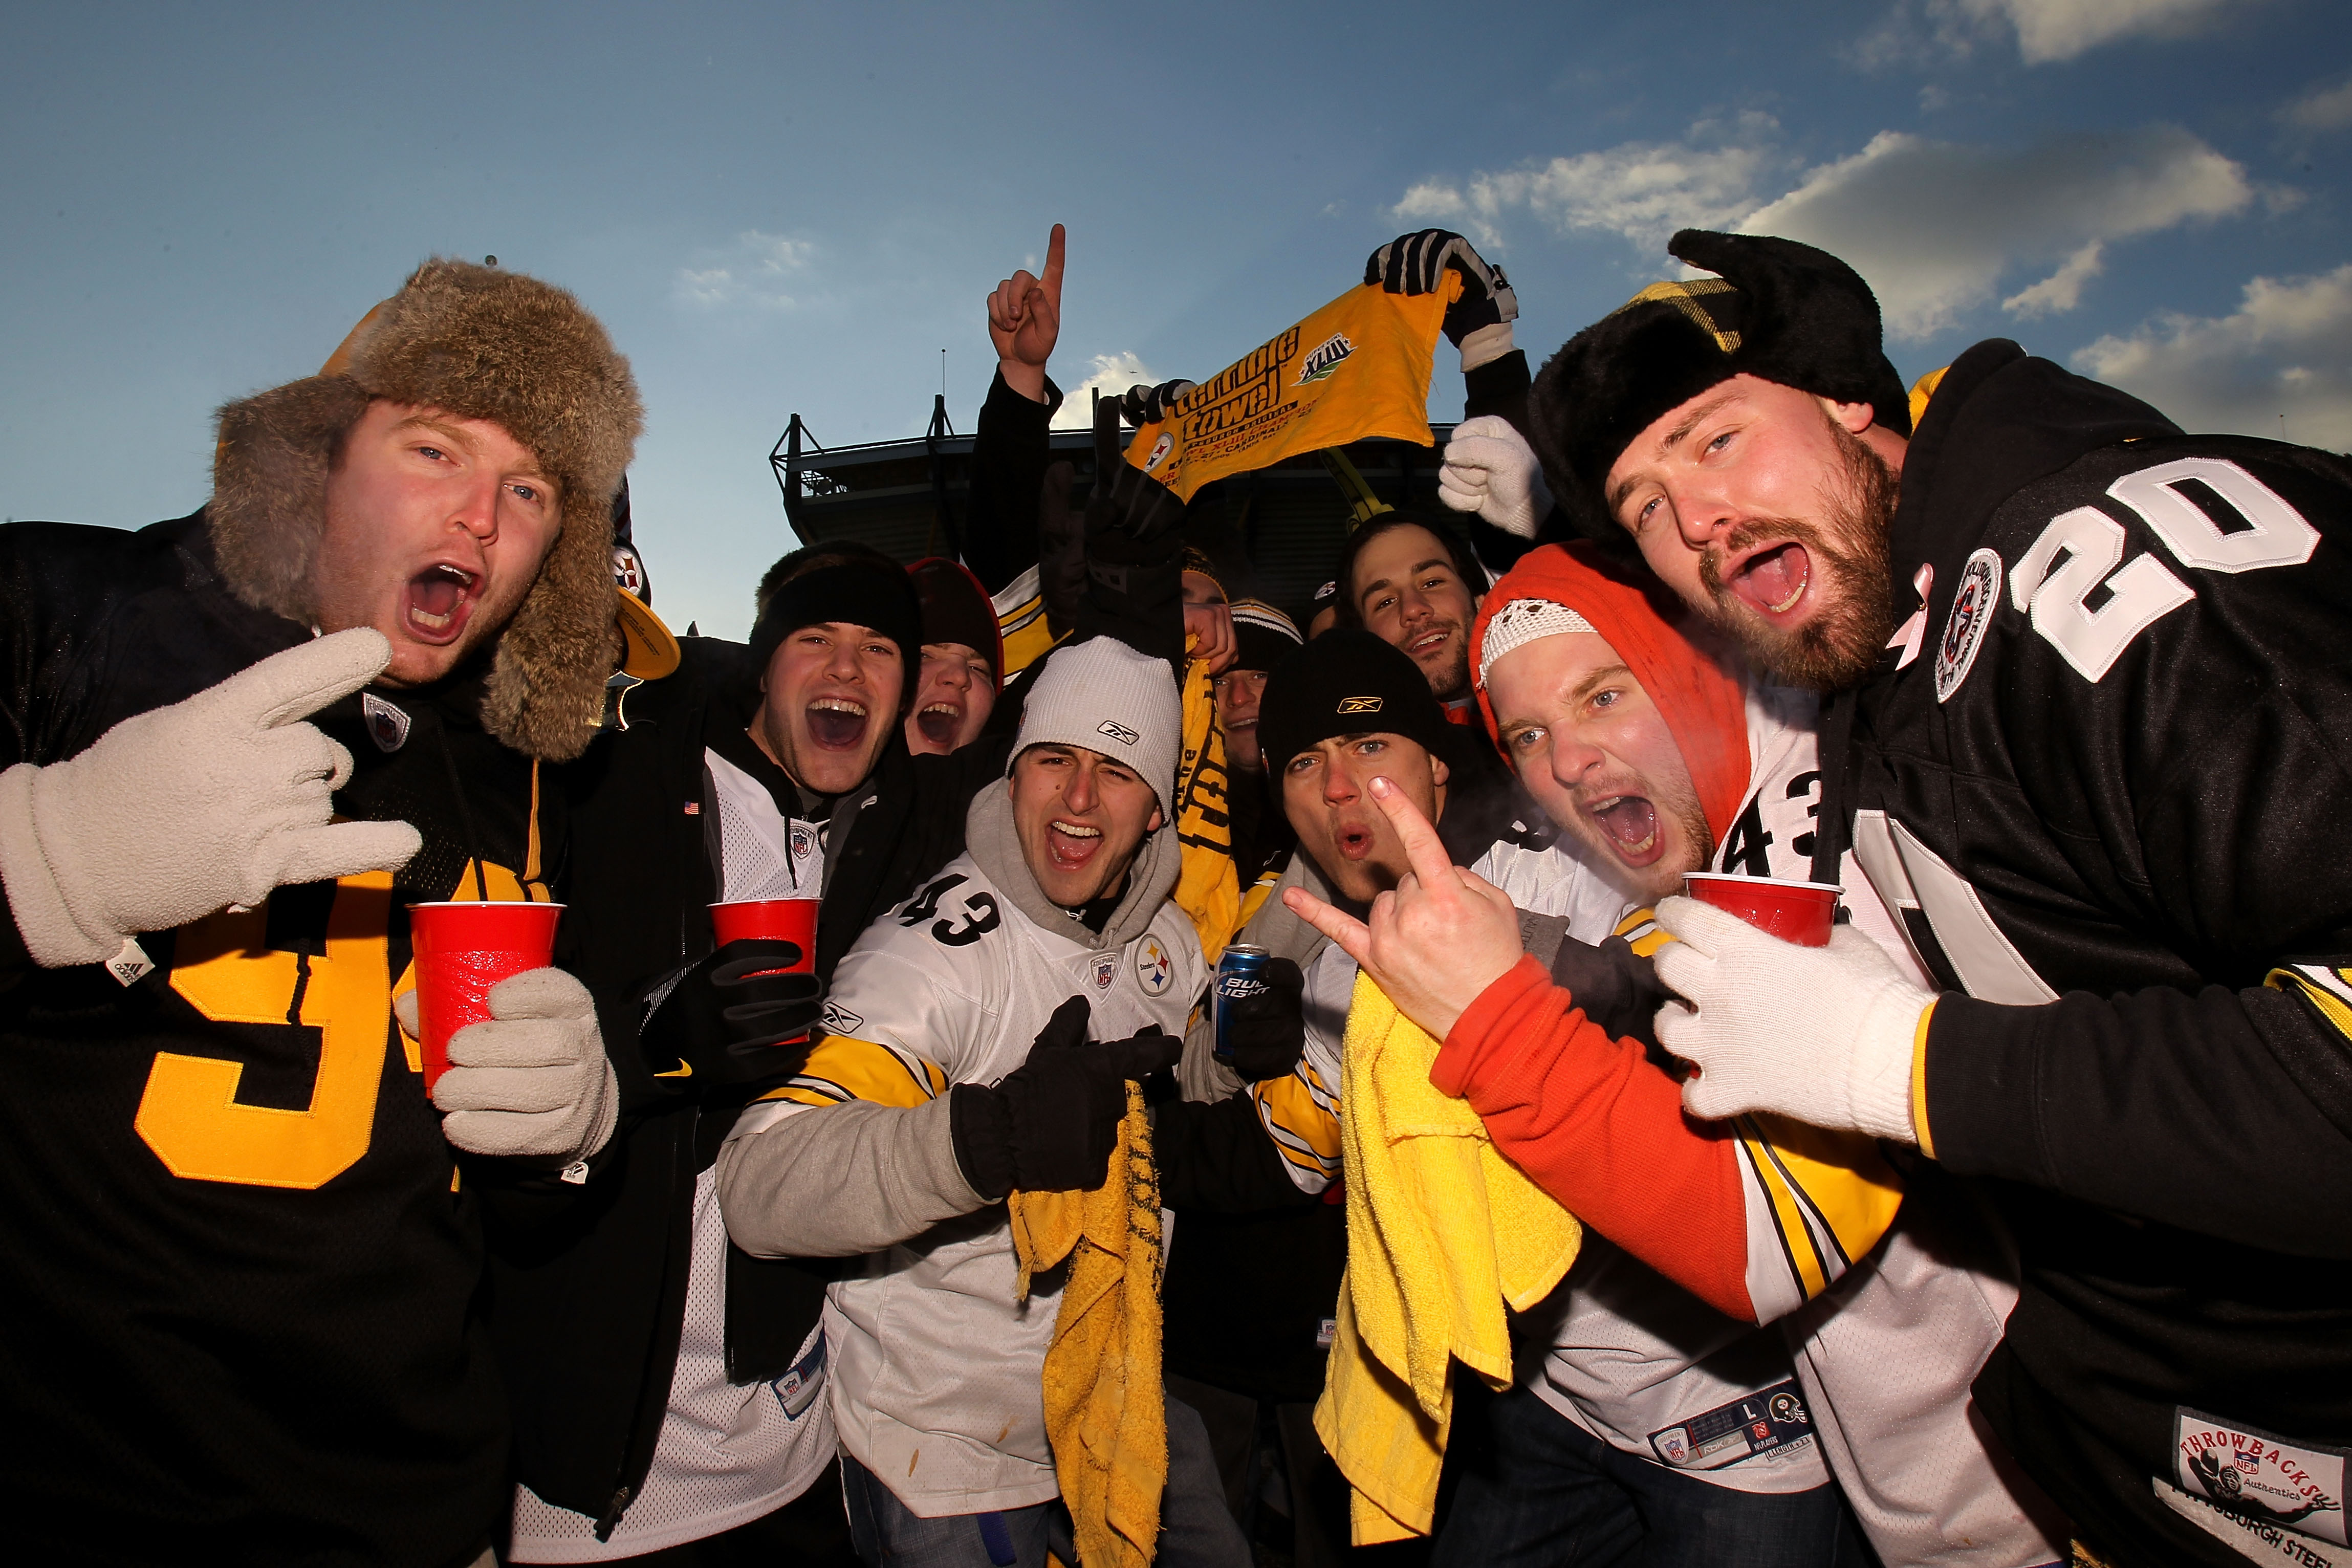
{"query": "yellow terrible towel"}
pixel 1206 886
pixel 1104 1410
pixel 1442 1235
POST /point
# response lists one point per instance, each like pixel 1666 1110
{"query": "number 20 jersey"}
pixel 2108 790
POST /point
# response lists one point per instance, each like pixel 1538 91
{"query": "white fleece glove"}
pixel 1490 469
pixel 533 1082
pixel 185 810
pixel 1821 1034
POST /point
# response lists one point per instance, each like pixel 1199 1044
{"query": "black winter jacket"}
pixel 2110 799
pixel 589 1281
pixel 238 1312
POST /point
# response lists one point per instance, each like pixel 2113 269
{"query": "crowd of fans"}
pixel 978 1224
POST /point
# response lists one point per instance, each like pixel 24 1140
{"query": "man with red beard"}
pixel 2108 807
pixel 1611 712
pixel 244 1281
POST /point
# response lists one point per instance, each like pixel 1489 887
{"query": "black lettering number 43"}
pixel 2078 554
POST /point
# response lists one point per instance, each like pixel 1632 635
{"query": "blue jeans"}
pixel 1195 1530
pixel 1530 1488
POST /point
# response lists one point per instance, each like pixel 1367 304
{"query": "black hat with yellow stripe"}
pixel 1778 310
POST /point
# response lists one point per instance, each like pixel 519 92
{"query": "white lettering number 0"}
pixel 2055 578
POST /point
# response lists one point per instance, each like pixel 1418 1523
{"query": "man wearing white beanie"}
pixel 959 1063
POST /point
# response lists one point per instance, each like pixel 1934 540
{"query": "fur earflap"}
pixel 480 343
pixel 1781 311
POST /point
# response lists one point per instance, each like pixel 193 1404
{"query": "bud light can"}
pixel 1239 975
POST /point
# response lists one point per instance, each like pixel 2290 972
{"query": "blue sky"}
pixel 777 209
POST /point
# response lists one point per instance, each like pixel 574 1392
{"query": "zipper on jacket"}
pixel 613 1513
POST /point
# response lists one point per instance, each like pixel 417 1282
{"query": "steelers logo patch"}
pixel 1153 968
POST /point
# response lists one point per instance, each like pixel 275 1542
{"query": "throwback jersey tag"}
pixel 2263 1480
pixel 798 1389
pixel 1965 628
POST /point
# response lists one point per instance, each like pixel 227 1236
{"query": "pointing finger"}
pixel 301 680
pixel 1052 282
pixel 1355 939
pixel 1424 851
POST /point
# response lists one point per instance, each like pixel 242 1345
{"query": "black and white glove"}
pixel 1052 1124
pixel 1491 470
pixel 738 1016
pixel 1267 1030
pixel 1416 264
pixel 532 1082
pixel 1141 404
pixel 179 812
pixel 1134 546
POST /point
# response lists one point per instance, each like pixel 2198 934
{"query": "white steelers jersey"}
pixel 937 1368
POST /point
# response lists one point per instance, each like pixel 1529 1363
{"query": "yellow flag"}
pixel 1357 367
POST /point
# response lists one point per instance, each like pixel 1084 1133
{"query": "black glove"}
pixel 1416 263
pixel 1617 987
pixel 1050 1125
pixel 734 1019
pixel 1268 1028
pixel 1134 552
pixel 1142 404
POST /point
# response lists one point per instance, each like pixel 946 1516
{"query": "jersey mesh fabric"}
pixel 727 1455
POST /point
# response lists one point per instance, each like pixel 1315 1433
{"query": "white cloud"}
pixel 2286 349
pixel 1934 225
pixel 751 272
pixel 2061 291
pixel 2323 109
pixel 1112 375
pixel 2046 31
pixel 1642 190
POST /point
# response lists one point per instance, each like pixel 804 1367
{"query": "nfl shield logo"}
pixel 1105 968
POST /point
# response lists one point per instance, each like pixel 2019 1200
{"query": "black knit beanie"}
pixel 854 593
pixel 1348 682
pixel 1780 310
pixel 955 608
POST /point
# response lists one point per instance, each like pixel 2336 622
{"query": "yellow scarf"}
pixel 1105 1413
pixel 1357 367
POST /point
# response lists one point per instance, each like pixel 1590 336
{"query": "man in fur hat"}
pixel 2097 767
pixel 239 1263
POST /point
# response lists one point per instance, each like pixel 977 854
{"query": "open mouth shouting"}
pixel 1772 581
pixel 438 602
pixel 1353 839
pixel 941 721
pixel 1629 824
pixel 1070 845
pixel 837 723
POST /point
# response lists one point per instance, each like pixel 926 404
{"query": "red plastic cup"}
pixel 1801 912
pixel 769 919
pixel 464 949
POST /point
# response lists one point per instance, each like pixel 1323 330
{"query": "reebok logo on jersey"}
pixel 1117 731
pixel 840 1020
pixel 1361 704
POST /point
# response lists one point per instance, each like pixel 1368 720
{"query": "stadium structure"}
pixel 909 498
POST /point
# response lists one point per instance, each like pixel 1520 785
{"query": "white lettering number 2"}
pixel 2076 554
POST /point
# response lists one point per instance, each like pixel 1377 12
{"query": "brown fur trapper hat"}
pixel 480 343
pixel 1781 311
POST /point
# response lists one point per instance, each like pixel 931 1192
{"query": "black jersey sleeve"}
pixel 1011 443
pixel 2171 674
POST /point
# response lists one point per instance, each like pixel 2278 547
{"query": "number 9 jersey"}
pixel 2104 779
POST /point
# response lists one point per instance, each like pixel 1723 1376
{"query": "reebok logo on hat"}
pixel 1117 731
pixel 1359 705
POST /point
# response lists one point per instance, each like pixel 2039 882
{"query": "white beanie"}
pixel 1521 622
pixel 1104 696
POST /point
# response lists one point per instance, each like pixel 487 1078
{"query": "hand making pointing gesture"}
pixel 1435 943
pixel 1024 319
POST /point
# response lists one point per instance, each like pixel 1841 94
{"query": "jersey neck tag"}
pixel 387 722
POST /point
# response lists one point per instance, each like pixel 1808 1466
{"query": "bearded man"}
pixel 2096 769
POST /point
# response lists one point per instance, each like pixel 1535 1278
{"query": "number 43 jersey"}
pixel 2106 783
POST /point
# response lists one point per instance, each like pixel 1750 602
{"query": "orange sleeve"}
pixel 1594 1123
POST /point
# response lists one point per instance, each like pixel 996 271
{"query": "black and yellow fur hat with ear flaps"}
pixel 482 343
pixel 1778 310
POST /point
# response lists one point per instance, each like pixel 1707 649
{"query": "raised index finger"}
pixel 1423 850
pixel 301 680
pixel 1052 282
